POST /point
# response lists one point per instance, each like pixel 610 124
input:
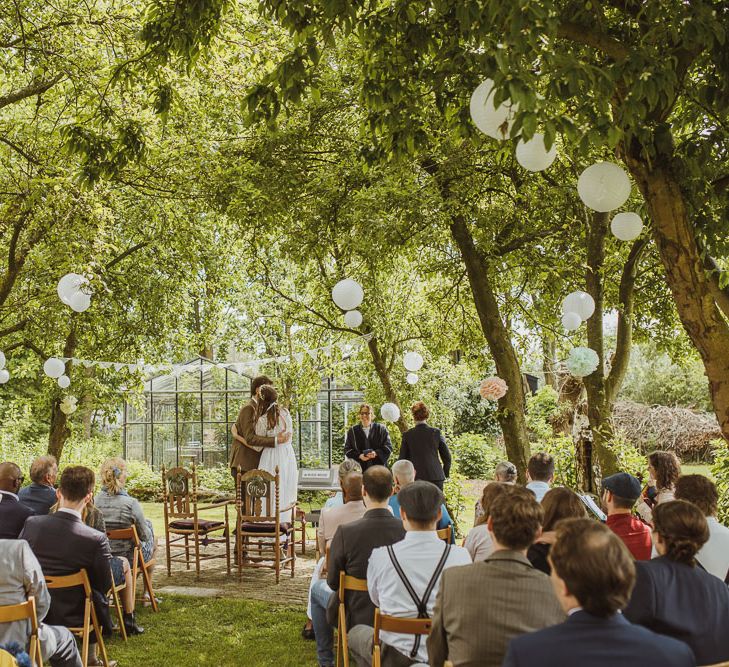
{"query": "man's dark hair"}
pixel 683 529
pixel 76 483
pixel 515 518
pixel 421 502
pixel 378 482
pixel 623 503
pixel 594 564
pixel 259 382
pixel 541 467
pixel 700 491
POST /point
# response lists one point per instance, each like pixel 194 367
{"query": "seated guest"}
pixel 557 504
pixel 352 510
pixel 410 568
pixel 701 491
pixel 41 494
pixel 504 472
pixel 619 493
pixel 425 447
pixel 675 597
pixel 482 606
pixel 20 578
pixel 664 469
pixel 345 467
pixel 13 513
pixel 349 553
pixel 478 542
pixel 404 474
pixel 592 575
pixel 64 545
pixel 540 474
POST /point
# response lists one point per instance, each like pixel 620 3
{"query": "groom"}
pixel 245 433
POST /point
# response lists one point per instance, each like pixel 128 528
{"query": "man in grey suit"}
pixel 481 607
pixel 20 578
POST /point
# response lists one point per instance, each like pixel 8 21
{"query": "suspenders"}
pixel 420 604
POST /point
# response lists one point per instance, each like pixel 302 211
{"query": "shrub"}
pixel 475 457
pixel 456 501
pixel 720 471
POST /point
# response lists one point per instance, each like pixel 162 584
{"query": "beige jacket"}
pixel 334 517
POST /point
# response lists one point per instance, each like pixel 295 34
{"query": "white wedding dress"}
pixel 283 456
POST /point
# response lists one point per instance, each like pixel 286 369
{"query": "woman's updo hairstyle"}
pixel 110 474
pixel 682 527
pixel 420 411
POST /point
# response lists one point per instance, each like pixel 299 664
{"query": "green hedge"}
pixel 475 456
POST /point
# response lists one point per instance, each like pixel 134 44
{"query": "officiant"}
pixel 368 442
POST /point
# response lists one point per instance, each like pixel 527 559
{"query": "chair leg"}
pixel 227 546
pixel 197 555
pixel 119 612
pixel 148 583
pixel 187 551
pixel 85 637
pixel 101 646
pixel 277 556
pixel 169 556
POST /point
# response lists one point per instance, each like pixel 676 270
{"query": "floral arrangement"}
pixel 68 405
pixel 582 361
pixel 493 388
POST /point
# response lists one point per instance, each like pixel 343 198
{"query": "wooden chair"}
pixel 346 583
pixel 445 534
pixel 90 619
pixel 259 529
pixel 408 626
pixel 301 518
pixel 25 611
pixel 139 565
pixel 182 520
pixel 113 596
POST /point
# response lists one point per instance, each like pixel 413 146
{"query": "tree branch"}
pixel 585 35
pixel 35 88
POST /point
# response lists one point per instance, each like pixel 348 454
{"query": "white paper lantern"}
pixel 412 361
pixel 69 285
pixel 626 226
pixel 4 376
pixel 352 319
pixel 533 155
pixel 571 321
pixel 54 367
pixel 493 122
pixel 579 302
pixel 2 359
pixel 390 412
pixel 412 378
pixel 80 301
pixel 348 294
pixel 64 382
pixel 603 187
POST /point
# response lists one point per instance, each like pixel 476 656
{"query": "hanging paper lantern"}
pixel 68 405
pixel 80 301
pixel 571 321
pixel 54 367
pixel 412 378
pixel 69 285
pixel 493 388
pixel 348 294
pixel 352 319
pixel 390 412
pixel 626 226
pixel 64 382
pixel 2 359
pixel 4 376
pixel 533 154
pixel 493 122
pixel 582 361
pixel 412 361
pixel 579 302
pixel 603 187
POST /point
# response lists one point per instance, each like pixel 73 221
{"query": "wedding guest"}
pixel 345 467
pixel 416 563
pixel 504 472
pixel 664 469
pixel 702 492
pixel 40 495
pixel 21 577
pixel 619 493
pixel 426 448
pixel 478 542
pixel 672 594
pixel 13 513
pixel 352 510
pixel 368 442
pixel 540 474
pixel 592 576
pixel 558 504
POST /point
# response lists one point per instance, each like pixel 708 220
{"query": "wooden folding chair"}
pixel 346 583
pixel 445 534
pixel 182 520
pixel 408 626
pixel 113 595
pixel 90 621
pixel 138 564
pixel 25 611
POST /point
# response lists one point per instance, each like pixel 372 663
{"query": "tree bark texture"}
pixel 549 360
pixel 383 374
pixel 60 432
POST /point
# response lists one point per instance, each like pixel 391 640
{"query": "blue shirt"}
pixel 445 519
pixel 539 489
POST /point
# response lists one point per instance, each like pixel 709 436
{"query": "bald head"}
pixel 404 473
pixel 11 477
pixel 352 487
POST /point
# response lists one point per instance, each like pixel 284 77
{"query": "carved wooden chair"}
pixel 20 612
pixel 408 626
pixel 183 523
pixel 346 583
pixel 138 564
pixel 262 539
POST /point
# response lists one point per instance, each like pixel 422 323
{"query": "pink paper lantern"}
pixel 493 388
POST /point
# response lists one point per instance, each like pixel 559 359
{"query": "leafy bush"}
pixel 456 501
pixel 720 471
pixel 475 456
pixel 143 483
pixel 566 466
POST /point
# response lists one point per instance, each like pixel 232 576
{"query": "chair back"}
pixel 445 534
pixel 25 611
pixel 348 583
pixel 125 534
pixel 256 495
pixel 407 626
pixel 80 578
pixel 179 492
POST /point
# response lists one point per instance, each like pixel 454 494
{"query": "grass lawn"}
pixel 696 469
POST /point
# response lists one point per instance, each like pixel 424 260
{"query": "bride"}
pixel 273 419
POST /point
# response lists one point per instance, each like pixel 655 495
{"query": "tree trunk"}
pixel 60 432
pixel 549 360
pixel 675 237
pixel 384 374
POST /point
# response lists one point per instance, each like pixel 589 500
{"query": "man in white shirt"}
pixel 540 474
pixel 409 569
pixel 702 492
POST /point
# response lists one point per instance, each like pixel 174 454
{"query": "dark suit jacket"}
pixel 12 517
pixel 378 440
pixel 584 640
pixel 240 455
pixel 63 545
pixel 350 553
pixel 421 446
pixel 683 602
pixel 39 497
